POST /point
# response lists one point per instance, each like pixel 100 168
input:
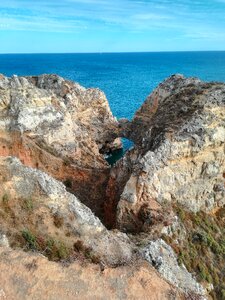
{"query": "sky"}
pixel 59 26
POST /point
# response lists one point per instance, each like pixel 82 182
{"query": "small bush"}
pixel 62 250
pixel 203 271
pixel 197 220
pixel 5 198
pixel 86 251
pixel 28 204
pixel 30 239
pixel 217 249
pixel 181 213
pixel 180 259
pixel 56 250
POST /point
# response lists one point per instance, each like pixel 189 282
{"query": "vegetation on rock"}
pixel 202 248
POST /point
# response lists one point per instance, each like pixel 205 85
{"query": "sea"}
pixel 126 78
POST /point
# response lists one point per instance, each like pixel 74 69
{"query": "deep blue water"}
pixel 126 78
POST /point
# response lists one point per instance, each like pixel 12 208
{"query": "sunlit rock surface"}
pixel 163 201
pixel 179 155
pixel 61 128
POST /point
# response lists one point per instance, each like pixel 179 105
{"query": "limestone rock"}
pixel 61 131
pixel 61 128
pixel 71 120
pixel 4 242
pixel 179 154
pixel 163 258
pixel 35 202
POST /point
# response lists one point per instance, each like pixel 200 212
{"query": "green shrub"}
pixel 204 273
pixel 56 250
pixel 181 213
pixel 5 198
pixel 62 251
pixel 197 220
pixel 30 239
pixel 28 204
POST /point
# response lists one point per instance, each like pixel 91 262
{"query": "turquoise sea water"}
pixel 126 78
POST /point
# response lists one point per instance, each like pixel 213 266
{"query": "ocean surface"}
pixel 126 78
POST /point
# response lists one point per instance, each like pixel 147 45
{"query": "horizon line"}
pixel 107 52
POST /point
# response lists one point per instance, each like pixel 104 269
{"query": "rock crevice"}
pixel 59 133
pixel 179 135
pixel 59 127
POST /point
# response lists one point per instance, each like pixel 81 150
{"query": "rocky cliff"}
pixel 61 128
pixel 163 201
pixel 178 157
pixel 40 210
pixel 171 184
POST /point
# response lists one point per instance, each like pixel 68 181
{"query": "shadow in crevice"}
pixel 116 155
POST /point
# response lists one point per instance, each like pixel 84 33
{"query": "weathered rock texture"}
pixel 59 127
pixel 163 258
pixel 175 169
pixel 179 154
pixel 30 276
pixel 36 207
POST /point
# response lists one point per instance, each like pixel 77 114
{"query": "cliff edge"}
pixel 151 226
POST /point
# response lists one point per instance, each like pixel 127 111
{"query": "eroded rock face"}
pixel 163 258
pixel 59 127
pixel 60 130
pixel 179 154
pixel 34 203
pixel 32 276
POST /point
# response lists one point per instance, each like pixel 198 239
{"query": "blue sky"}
pixel 34 26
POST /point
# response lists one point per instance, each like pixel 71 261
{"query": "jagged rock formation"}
pixel 160 255
pixel 176 168
pixel 165 187
pixel 37 213
pixel 179 135
pixel 59 127
pixel 38 207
